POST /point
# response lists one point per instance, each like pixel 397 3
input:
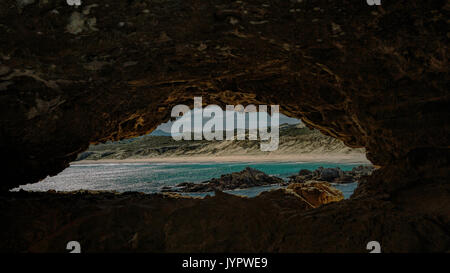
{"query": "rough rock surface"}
pixel 379 80
pixel 372 76
pixel 275 221
pixel 317 193
pixel 246 178
pixel 334 175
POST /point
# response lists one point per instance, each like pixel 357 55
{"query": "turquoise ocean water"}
pixel 151 177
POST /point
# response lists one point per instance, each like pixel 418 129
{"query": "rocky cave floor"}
pixel 275 221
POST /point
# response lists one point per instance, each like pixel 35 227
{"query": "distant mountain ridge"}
pixel 160 133
pixel 294 139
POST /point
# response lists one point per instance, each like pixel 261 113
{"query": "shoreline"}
pixel 326 158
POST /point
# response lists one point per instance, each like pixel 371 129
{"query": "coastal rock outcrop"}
pixel 332 175
pixel 246 178
pixel 317 193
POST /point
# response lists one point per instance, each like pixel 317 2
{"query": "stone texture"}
pixel 378 81
pixel 374 77
pixel 275 221
pixel 246 178
pixel 333 175
pixel 317 193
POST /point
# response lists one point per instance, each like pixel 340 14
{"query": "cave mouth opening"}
pixel 157 163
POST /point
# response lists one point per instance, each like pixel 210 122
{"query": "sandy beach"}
pixel 335 158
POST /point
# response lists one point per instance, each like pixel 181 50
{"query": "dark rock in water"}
pixel 305 172
pixel 330 174
pixel 333 175
pixel 362 170
pixel 246 178
pixel 345 178
pixel 302 176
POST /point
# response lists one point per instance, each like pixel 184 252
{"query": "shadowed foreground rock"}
pixel 371 76
pixel 275 221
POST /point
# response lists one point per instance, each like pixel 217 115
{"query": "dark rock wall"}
pixel 374 77
pixel 274 221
